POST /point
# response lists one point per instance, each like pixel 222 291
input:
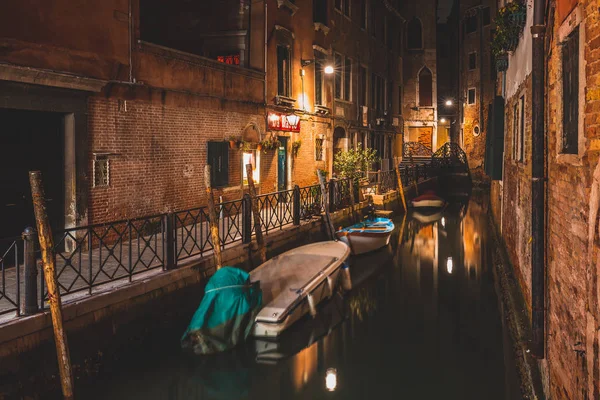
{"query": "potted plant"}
pixel 517 14
pixel 245 146
pixel 270 144
pixel 233 142
pixel 296 147
pixel 259 146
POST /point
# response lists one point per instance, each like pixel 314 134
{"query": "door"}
pixel 282 164
pixel 30 140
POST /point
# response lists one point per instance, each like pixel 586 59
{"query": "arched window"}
pixel 425 88
pixel 414 34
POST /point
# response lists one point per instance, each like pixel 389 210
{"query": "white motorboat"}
pixel 295 282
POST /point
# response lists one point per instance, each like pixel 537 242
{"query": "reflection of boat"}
pixel 302 335
pixel 427 216
pixel 366 236
pixel 295 282
pixel 428 200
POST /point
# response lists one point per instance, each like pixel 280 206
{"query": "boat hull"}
pixel 433 203
pixel 293 284
pixel 361 243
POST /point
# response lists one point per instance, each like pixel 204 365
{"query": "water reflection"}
pixel 421 322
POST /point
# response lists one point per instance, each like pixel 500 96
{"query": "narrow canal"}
pixel 421 323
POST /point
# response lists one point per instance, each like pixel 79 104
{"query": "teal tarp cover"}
pixel 226 313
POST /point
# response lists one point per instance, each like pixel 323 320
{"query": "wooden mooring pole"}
pixel 212 215
pixel 324 197
pixel 47 248
pixel 262 250
pixel 400 186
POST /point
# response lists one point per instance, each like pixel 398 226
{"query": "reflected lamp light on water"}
pixel 443 222
pixel 449 265
pixel 331 379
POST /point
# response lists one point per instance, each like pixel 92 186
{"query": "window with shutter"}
pixel 218 159
pixel 570 97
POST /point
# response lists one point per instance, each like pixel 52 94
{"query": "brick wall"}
pixel 571 368
pixel 158 153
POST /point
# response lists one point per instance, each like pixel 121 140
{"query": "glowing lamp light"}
pixel 331 379
pixel 443 120
pixel 328 69
pixel 443 222
pixel 292 120
pixel 449 265
pixel 449 102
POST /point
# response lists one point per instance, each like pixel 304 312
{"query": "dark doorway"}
pixel 30 140
pixel 282 164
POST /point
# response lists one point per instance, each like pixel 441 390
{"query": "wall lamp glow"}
pixel 449 103
pixel 443 120
pixel 449 265
pixel 304 63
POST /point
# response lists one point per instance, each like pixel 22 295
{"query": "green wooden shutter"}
pixel 218 159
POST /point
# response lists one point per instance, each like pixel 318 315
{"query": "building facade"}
pixel 117 109
pixel 420 104
pixel 570 368
pixel 477 80
pixel 121 113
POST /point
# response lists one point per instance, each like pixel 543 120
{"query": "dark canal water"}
pixel 421 323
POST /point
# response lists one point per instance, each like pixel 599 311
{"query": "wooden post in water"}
pixel 351 185
pixel 47 248
pixel 262 250
pixel 324 196
pixel 212 215
pixel 400 187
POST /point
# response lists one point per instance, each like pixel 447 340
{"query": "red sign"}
pixel 282 122
pixel 230 59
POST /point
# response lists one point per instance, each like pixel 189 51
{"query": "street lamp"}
pixel 331 379
pixel 306 62
pixel 443 120
pixel 449 103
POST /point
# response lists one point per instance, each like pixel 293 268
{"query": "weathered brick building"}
pixel 139 95
pixel 477 80
pixel 137 91
pixel 353 105
pixel 419 108
pixel 572 47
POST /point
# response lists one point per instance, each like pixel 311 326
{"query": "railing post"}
pixel 296 197
pixel 169 223
pixel 31 304
pixel 332 195
pixel 378 182
pixel 246 219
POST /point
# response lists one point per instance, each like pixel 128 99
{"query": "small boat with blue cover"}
pixel 226 313
pixel 366 236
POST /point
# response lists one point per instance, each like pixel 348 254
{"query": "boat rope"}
pixel 226 287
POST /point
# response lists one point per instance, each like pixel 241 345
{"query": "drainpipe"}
pixel 481 122
pixel 538 266
pixel 265 84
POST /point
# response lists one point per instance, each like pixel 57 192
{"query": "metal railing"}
pixel 94 255
pixel 90 256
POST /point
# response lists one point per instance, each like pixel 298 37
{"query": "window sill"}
pixel 292 8
pixel 284 101
pixel 319 26
pixel 348 102
pixel 575 160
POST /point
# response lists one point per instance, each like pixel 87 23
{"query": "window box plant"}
pixel 270 144
pixel 233 142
